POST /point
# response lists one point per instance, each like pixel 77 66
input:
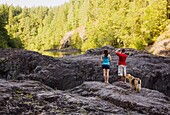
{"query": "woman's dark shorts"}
pixel 105 66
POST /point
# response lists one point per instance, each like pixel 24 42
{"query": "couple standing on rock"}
pixel 106 62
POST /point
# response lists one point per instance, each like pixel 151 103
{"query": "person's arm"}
pixel 101 59
pixel 117 52
pixel 110 58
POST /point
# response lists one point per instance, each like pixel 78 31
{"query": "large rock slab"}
pixel 145 102
pixel 161 48
pixel 70 71
pixel 92 98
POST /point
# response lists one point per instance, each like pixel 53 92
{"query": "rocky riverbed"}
pixel 35 84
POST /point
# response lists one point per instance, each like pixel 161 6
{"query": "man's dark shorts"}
pixel 105 66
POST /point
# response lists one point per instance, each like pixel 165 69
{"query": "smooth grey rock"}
pixel 70 71
pixel 92 98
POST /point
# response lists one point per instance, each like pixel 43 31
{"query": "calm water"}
pixel 60 54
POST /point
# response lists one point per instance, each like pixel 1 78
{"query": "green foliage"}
pixel 88 44
pixel 154 20
pixel 30 96
pixel 119 23
pixel 138 43
pixel 5 40
pixel 76 41
pixel 3 43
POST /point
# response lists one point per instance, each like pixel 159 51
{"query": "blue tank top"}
pixel 106 60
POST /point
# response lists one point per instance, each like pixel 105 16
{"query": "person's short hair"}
pixel 123 50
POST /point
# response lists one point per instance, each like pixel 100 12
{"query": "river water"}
pixel 60 54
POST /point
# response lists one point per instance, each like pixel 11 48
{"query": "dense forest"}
pixel 119 23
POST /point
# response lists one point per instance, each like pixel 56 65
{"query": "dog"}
pixel 134 82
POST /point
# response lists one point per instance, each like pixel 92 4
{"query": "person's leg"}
pixel 107 75
pixel 124 73
pixel 104 74
pixel 120 72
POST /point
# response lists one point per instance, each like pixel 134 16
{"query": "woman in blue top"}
pixel 106 61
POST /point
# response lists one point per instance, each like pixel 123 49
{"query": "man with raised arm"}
pixel 121 64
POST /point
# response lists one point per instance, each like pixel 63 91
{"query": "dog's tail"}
pixel 139 82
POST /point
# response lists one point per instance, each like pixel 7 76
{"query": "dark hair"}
pixel 106 53
pixel 123 50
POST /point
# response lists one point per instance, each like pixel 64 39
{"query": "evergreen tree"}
pixel 119 23
pixel 76 41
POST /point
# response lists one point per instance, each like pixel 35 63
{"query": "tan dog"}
pixel 134 82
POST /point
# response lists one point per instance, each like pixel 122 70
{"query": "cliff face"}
pixel 65 41
pixel 74 84
pixel 162 45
